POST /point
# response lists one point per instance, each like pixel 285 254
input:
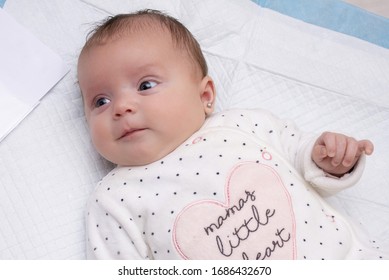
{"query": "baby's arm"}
pixel 112 231
pixel 337 154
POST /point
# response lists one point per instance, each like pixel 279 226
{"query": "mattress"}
pixel 321 79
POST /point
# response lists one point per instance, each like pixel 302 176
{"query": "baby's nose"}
pixel 124 106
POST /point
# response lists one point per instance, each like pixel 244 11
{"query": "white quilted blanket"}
pixel 319 78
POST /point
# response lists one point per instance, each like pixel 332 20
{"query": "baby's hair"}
pixel 115 26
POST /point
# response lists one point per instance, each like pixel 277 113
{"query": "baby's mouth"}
pixel 131 133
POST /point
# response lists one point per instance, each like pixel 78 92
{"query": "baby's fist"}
pixel 336 153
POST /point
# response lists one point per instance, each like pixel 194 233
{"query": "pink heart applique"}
pixel 256 221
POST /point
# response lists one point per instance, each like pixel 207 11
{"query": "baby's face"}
pixel 142 97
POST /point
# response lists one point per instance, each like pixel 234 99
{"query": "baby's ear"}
pixel 208 95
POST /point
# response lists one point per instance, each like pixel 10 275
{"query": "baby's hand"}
pixel 337 153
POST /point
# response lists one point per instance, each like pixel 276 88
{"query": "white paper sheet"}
pixel 28 70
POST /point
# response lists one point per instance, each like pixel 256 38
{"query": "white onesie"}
pixel 242 187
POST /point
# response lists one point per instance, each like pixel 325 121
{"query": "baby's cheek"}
pixel 99 138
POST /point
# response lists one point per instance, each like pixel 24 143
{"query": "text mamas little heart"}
pixel 256 222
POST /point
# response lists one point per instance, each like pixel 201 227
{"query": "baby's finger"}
pixel 340 146
pixel 319 152
pixel 329 141
pixel 365 146
pixel 351 152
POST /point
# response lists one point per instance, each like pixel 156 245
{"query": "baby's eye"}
pixel 147 85
pixel 101 101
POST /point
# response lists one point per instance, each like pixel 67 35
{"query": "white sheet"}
pixel 25 58
pixel 321 79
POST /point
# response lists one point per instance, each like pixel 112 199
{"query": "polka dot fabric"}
pixel 234 190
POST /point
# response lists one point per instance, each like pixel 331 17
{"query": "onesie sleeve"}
pixel 297 146
pixel 112 232
pixel 327 184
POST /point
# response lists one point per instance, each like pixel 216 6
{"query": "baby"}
pixel 193 184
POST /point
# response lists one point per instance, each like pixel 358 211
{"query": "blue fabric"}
pixel 2 3
pixel 335 15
